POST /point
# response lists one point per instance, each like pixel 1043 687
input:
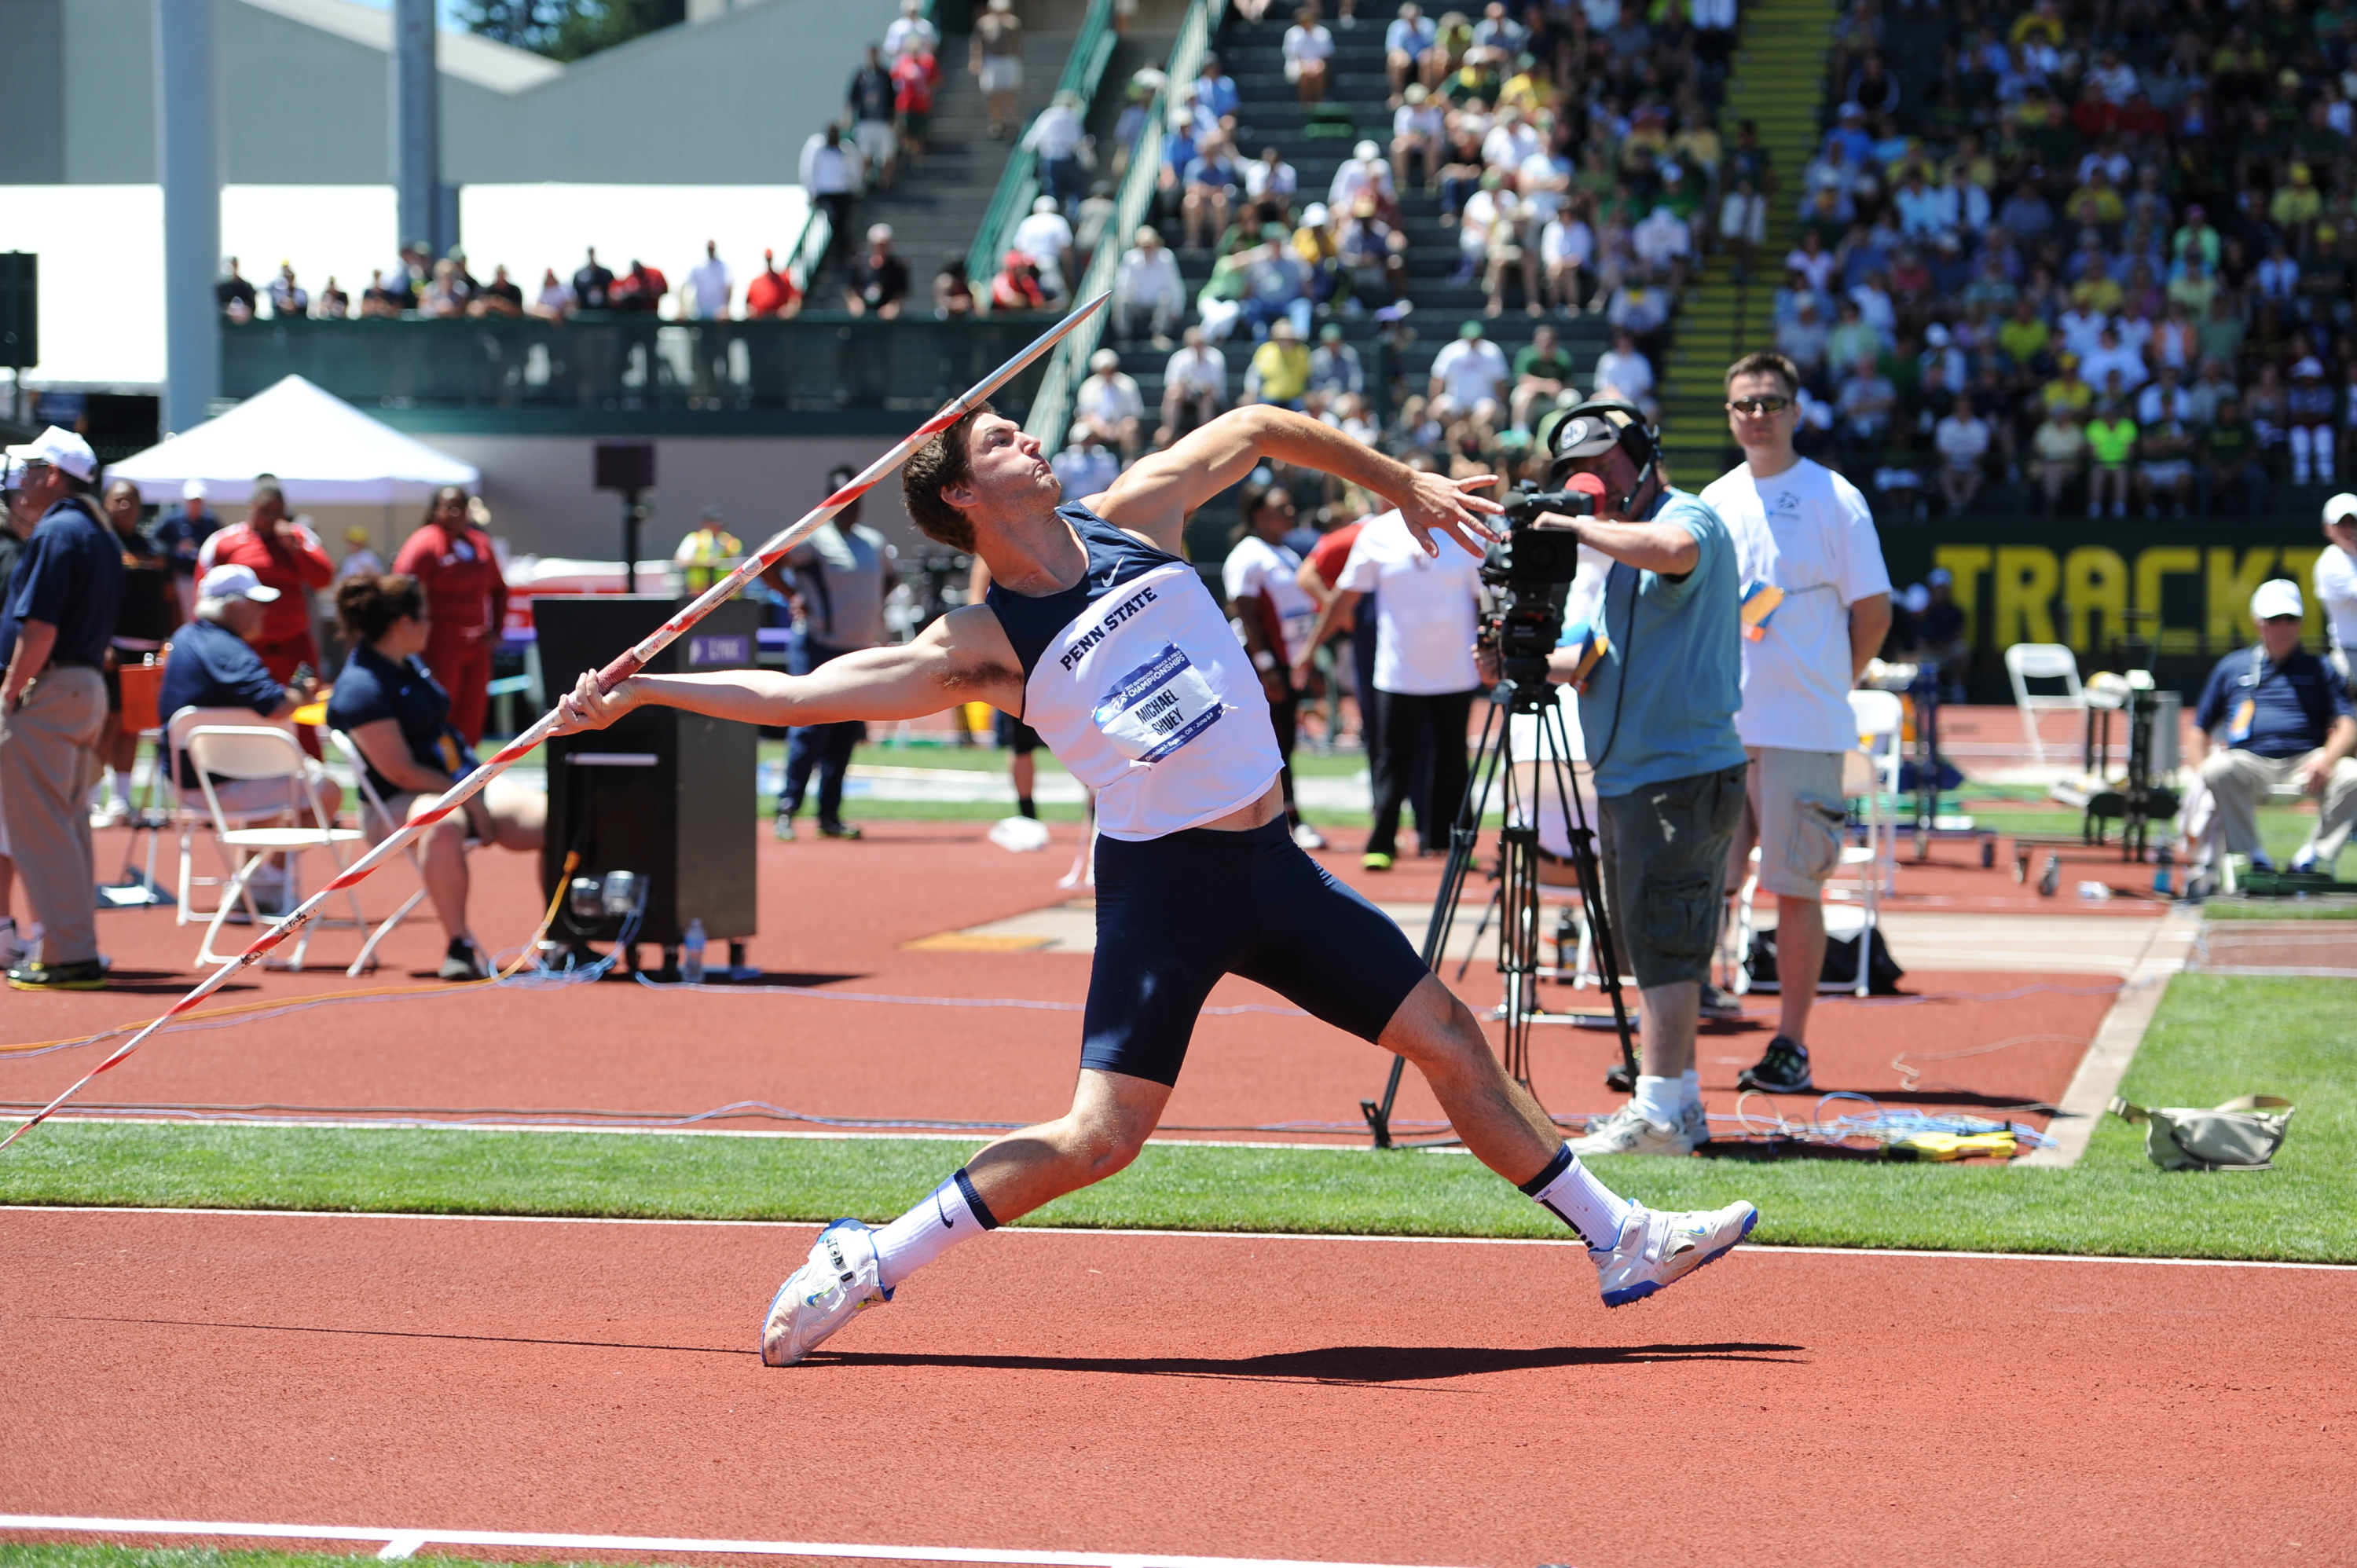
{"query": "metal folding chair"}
pixel 377 823
pixel 2028 662
pixel 142 687
pixel 262 751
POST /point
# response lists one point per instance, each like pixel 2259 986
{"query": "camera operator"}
pixel 1803 529
pixel 1657 714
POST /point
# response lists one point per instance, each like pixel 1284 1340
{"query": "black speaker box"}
pixel 625 466
pixel 667 794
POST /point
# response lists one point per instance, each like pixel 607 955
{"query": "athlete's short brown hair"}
pixel 1766 363
pixel 935 466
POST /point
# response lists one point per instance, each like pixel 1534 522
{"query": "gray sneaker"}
pixel 1695 1124
pixel 1626 1132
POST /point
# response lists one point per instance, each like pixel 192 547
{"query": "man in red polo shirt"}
pixel 285 555
pixel 465 601
pixel 771 292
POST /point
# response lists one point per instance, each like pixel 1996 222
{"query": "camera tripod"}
pixel 1519 924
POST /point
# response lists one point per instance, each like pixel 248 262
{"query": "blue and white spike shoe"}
pixel 838 1282
pixel 1655 1250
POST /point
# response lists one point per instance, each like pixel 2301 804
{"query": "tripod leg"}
pixel 1590 878
pixel 1480 926
pixel 1463 834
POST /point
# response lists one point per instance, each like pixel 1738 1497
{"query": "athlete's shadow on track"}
pixel 1370 1364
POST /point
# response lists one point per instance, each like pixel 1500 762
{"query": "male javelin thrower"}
pixel 1102 638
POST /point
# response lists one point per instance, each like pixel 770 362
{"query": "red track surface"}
pixel 836 915
pixel 1390 1401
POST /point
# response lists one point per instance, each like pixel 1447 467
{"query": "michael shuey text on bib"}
pixel 1157 707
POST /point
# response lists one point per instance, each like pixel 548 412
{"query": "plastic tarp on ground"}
pixel 324 452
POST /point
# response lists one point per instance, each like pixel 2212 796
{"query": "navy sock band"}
pixel 1555 1167
pixel 981 1209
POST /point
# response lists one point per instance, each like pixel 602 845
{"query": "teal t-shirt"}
pixel 1661 704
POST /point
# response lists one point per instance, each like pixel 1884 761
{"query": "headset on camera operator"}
pixel 1658 715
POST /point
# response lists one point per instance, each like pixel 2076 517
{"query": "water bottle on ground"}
pixel 691 954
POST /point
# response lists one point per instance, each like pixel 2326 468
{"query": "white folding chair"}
pixel 187 807
pixel 2028 662
pixel 262 751
pixel 377 823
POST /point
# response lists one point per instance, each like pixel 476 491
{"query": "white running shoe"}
pixel 1626 1132
pixel 1656 1250
pixel 837 1284
pixel 1696 1124
pixel 1308 837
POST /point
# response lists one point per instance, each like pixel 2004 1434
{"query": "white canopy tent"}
pixel 324 452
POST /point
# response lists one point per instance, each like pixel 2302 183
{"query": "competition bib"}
pixel 1157 707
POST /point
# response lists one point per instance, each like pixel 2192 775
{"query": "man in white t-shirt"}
pixel 710 285
pixel 1472 373
pixel 1425 609
pixel 2336 585
pixel 1800 528
pixel 1274 616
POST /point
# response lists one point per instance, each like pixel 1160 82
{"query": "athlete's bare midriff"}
pixel 1259 814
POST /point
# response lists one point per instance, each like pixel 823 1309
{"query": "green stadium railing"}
pixel 1051 406
pixel 1019 184
pixel 819 361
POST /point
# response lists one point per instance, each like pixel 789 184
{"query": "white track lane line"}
pixel 404 1542
pixel 1750 1249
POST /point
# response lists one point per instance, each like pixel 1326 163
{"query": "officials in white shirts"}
pixel 1803 530
pixel 1426 609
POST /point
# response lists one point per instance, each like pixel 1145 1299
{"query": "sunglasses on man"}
pixel 1758 406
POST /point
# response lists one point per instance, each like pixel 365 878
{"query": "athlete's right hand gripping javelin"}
pixel 586 707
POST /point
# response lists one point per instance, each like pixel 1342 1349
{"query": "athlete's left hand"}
pixel 1436 504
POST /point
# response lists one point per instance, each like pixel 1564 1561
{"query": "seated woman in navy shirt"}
pixel 391 711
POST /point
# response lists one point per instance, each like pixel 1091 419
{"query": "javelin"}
pixel 613 675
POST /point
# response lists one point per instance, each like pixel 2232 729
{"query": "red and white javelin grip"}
pixel 613 675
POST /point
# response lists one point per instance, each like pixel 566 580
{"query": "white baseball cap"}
pixel 2277 597
pixel 59 448
pixel 2340 506
pixel 194 491
pixel 235 582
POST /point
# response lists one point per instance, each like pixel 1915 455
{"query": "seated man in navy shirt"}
pixel 388 705
pixel 213 665
pixel 2274 717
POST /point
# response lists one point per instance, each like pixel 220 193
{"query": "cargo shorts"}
pixel 1794 812
pixel 1664 849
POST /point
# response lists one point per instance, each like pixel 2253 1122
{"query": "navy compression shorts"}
pixel 1175 913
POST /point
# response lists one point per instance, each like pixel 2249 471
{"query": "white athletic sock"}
pixel 1690 1088
pixel 1657 1100
pixel 953 1212
pixel 118 787
pixel 1566 1191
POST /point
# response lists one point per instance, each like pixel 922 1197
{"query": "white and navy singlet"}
pixel 1133 678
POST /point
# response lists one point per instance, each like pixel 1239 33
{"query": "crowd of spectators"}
pixel 2102 252
pixel 1576 156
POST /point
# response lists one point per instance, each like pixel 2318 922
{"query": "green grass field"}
pixel 2215 1037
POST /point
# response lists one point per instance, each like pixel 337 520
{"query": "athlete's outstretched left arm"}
pixel 963 657
pixel 1158 491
